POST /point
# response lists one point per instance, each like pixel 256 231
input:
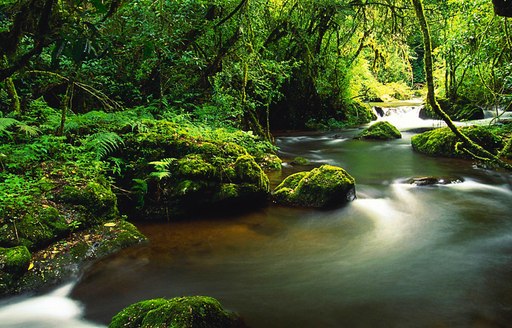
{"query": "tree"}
pixel 467 144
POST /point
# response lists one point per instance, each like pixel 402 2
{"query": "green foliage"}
pixel 17 193
pixel 103 143
pixel 162 168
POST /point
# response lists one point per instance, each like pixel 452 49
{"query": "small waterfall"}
pixel 52 310
pixel 405 117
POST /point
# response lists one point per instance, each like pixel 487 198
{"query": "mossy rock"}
pixel 180 312
pixel 65 258
pixel 270 162
pixel 197 183
pixel 442 142
pixel 459 110
pixel 35 229
pixel 381 130
pixel 95 197
pixel 326 186
pixel 199 174
pixel 14 262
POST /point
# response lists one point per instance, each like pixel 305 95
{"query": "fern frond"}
pixel 103 143
pixel 6 122
pixel 160 174
pixel 29 130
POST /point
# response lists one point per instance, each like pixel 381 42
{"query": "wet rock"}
pixel 14 262
pixel 326 186
pixel 179 312
pixel 301 161
pixel 429 181
pixel 381 130
pixel 379 111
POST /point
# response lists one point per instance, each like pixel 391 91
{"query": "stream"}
pixel 400 255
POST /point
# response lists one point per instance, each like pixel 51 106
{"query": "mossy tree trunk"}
pixel 13 94
pixel 468 145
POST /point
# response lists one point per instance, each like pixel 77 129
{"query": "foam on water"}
pixel 55 310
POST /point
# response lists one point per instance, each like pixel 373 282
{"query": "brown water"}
pixel 398 256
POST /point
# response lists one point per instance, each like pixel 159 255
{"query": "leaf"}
pixel 110 224
pixel 103 143
pixel 31 266
pixel 100 7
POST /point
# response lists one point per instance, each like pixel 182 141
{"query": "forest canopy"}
pixel 252 64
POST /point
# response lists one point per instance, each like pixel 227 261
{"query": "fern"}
pixel 7 122
pixel 29 130
pixel 162 168
pixel 103 143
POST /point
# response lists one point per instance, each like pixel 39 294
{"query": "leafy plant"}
pixel 103 143
pixel 162 168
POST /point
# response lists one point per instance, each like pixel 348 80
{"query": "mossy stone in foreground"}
pixel 14 262
pixel 179 312
pixel 326 186
pixel 381 130
pixel 442 142
pixel 14 259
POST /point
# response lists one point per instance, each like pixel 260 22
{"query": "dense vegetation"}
pixel 150 102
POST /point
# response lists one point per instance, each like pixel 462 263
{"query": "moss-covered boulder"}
pixel 65 257
pixel 326 186
pixel 183 174
pixel 381 130
pixel 56 209
pixel 442 142
pixel 180 312
pixel 14 262
pixel 460 110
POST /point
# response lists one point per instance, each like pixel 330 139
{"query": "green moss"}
pixel 459 110
pixel 133 315
pixel 195 167
pixel 180 312
pixel 227 191
pixel 325 186
pixel 95 198
pixel 300 161
pixel 247 170
pixel 442 142
pixel 270 162
pixel 381 130
pixel 14 260
pixel 122 235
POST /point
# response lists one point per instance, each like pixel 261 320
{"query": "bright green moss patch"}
pixel 381 130
pixel 14 260
pixel 180 312
pixel 326 186
pixel 442 142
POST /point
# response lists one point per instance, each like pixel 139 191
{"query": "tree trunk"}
pixel 13 94
pixel 469 146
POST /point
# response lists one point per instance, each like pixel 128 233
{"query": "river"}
pixel 398 256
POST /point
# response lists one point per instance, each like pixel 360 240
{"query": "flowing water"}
pixel 398 256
